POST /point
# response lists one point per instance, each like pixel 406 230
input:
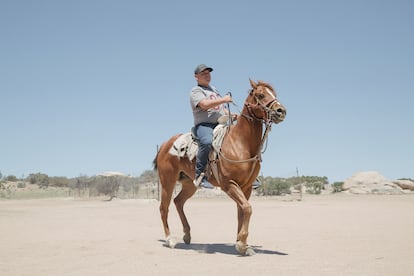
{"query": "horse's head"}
pixel 263 105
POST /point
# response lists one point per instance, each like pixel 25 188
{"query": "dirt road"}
pixel 320 235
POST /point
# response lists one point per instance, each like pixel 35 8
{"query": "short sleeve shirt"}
pixel 211 115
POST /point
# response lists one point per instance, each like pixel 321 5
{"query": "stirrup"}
pixel 197 181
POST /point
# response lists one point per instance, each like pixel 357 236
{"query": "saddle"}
pixel 186 144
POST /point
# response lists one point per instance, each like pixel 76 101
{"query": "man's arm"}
pixel 206 104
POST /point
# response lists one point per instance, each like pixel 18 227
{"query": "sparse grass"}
pixel 41 193
pixel 31 191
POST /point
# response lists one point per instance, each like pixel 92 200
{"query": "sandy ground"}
pixel 320 235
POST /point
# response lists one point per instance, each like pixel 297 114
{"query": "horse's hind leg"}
pixel 188 189
pixel 166 195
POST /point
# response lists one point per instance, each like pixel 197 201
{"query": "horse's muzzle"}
pixel 278 114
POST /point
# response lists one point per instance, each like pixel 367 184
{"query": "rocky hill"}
pixel 374 183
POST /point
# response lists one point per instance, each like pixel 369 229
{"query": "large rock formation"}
pixel 374 183
pixel 405 184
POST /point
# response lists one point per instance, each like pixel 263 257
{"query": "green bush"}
pixel 274 186
pixel 40 179
pixel 314 187
pixel 21 185
pixel 57 181
pixel 11 178
pixel 337 187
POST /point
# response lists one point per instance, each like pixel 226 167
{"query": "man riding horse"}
pixel 208 106
pixel 238 163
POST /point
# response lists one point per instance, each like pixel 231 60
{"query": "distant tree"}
pixel 314 187
pixel 337 187
pixel 81 185
pixel 274 186
pixel 129 185
pixel 58 181
pixel 40 179
pixel 282 186
pixel 148 176
pixel 107 185
pixel 313 184
pixel 11 178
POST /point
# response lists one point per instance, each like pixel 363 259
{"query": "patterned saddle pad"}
pixel 186 144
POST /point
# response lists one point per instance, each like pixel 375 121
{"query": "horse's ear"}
pixel 253 84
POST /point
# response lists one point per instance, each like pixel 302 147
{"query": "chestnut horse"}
pixel 236 168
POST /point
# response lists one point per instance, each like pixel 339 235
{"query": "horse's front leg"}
pixel 239 218
pixel 244 212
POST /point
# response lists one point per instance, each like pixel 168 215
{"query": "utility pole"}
pixel 300 184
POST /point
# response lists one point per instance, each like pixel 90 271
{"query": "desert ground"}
pixel 338 234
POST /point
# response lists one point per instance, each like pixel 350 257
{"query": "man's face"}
pixel 203 77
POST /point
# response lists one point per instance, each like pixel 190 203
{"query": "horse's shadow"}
pixel 222 248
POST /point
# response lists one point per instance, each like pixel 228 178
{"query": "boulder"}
pixel 405 184
pixel 371 182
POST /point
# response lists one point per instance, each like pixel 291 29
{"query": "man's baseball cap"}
pixel 201 68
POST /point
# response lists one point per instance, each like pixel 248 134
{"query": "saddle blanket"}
pixel 186 144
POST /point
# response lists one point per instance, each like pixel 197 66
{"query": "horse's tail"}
pixel 154 162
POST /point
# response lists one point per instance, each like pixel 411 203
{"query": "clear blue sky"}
pixel 88 86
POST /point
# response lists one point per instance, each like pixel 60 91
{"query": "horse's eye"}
pixel 261 96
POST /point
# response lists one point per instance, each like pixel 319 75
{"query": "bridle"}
pixel 266 109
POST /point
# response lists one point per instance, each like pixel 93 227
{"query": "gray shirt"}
pixel 211 115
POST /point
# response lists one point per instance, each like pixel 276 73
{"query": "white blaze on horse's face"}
pixel 279 111
pixel 270 93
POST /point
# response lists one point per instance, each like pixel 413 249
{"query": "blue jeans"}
pixel 204 133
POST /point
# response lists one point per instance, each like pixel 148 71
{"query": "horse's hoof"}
pixel 250 251
pixel 170 242
pixel 187 238
pixel 241 247
pixel 244 249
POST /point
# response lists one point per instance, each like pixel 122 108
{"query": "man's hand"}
pixel 227 99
